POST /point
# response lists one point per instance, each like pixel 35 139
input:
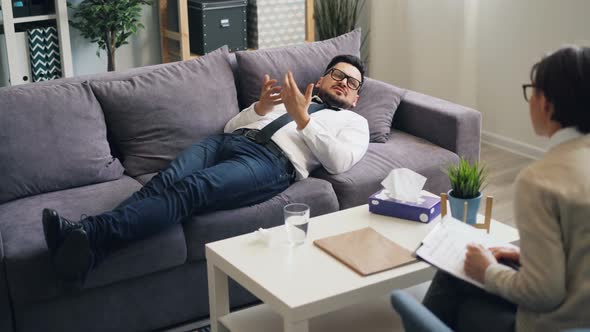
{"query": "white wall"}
pixel 425 45
pixel 513 36
pixel 143 48
pixel 474 52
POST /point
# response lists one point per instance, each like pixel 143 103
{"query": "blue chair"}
pixel 415 317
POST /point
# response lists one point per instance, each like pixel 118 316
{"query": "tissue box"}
pixel 426 209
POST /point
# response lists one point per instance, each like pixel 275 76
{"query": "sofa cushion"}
pixel 202 229
pixel 144 178
pixel 153 116
pixel 402 150
pixel 378 102
pixel 53 137
pixel 27 262
pixel 306 61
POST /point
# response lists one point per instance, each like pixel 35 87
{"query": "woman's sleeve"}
pixel 539 285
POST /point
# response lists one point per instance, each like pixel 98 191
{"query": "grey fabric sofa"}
pixel 161 281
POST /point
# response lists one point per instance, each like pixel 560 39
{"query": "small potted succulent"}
pixel 467 181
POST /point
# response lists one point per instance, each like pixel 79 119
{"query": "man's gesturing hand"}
pixel 269 96
pixel 295 102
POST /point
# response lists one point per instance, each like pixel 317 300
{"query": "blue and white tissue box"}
pixel 424 210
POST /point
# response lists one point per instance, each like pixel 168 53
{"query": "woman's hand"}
pixel 269 96
pixel 508 253
pixel 477 260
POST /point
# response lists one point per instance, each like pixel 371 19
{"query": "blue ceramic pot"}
pixel 457 207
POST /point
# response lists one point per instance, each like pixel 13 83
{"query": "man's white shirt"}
pixel 336 140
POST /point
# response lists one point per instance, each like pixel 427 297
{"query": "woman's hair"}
pixel 564 78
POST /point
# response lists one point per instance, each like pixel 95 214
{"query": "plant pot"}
pixel 457 206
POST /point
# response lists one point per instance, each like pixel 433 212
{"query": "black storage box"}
pixel 41 7
pixel 23 8
pixel 214 23
pixel 20 8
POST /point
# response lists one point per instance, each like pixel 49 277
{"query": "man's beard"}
pixel 333 101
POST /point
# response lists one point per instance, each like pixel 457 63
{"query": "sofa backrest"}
pixel 154 115
pixel 52 137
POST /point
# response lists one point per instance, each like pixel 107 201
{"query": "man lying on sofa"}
pixel 266 147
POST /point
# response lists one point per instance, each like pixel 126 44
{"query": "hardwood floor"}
pixel 503 167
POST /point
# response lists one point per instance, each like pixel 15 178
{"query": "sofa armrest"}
pixel 453 127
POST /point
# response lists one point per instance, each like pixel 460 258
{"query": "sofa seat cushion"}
pixel 52 137
pixel 202 229
pixel 155 115
pixel 144 178
pixel 354 187
pixel 28 269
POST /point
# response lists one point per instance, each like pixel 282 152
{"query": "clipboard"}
pixel 445 246
pixel 365 251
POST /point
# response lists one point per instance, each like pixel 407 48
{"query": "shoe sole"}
pixel 50 229
pixel 74 257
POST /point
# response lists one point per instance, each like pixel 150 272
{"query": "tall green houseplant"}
pixel 336 17
pixel 109 23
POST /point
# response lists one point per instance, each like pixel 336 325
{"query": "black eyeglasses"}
pixel 339 75
pixel 527 91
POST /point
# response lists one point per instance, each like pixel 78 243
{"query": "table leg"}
pixel 218 296
pixel 301 326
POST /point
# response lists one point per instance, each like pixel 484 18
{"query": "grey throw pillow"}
pixel 378 102
pixel 153 116
pixel 306 61
pixel 52 137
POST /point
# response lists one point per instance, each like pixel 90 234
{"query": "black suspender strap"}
pixel 264 135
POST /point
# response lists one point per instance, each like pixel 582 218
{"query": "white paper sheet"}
pixel 445 246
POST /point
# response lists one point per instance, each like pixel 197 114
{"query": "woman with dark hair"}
pixel 550 291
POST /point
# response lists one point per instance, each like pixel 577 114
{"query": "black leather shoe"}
pixel 69 247
pixel 55 227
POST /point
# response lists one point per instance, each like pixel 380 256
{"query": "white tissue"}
pixel 263 236
pixel 404 184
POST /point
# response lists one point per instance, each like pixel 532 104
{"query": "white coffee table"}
pixel 300 283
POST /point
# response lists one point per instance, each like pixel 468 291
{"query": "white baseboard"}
pixel 512 145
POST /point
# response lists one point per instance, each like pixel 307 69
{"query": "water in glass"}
pixel 296 222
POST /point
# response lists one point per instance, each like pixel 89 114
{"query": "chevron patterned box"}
pixel 274 23
pixel 44 54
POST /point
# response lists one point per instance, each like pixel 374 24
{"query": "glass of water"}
pixel 296 222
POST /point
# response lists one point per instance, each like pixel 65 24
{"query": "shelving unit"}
pixel 37 18
pixel 61 19
pixel 181 37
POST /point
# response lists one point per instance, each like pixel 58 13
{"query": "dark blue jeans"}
pixel 221 172
pixel 465 307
